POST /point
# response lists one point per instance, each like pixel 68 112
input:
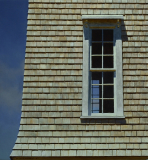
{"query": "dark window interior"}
pixel 107 61
pixel 97 35
pixel 108 48
pixel 96 48
pixel 96 62
pixel 108 77
pixel 108 106
pixel 108 35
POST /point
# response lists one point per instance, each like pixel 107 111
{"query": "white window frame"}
pixel 94 22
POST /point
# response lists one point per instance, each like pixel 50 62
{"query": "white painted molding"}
pixel 102 17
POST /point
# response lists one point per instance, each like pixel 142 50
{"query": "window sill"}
pixel 101 117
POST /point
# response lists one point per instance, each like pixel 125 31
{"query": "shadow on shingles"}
pixel 103 121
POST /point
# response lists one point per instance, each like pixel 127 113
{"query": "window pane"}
pixel 108 91
pixel 108 106
pixel 108 61
pixel 96 62
pixel 97 35
pixel 96 48
pixel 96 91
pixel 96 77
pixel 108 48
pixel 96 106
pixel 108 35
pixel 108 77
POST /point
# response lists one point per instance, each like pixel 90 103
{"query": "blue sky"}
pixel 13 25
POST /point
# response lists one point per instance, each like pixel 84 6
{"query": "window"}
pixel 102 67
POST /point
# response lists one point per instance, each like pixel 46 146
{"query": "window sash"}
pixel 100 101
pixel 102 55
pixel 101 97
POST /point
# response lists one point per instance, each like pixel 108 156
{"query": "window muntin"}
pixel 102 83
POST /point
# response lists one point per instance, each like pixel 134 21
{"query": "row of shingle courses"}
pixel 84 140
pixel 85 126
pixel 81 146
pixel 50 123
pixel 65 153
pixel 114 132
pixel 140 117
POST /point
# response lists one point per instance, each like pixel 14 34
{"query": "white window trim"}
pixel 86 98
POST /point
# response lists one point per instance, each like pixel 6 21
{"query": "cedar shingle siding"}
pixel 52 92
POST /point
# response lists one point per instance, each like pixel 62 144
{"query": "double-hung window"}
pixel 102 67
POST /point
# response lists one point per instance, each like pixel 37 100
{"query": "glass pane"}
pixel 96 48
pixel 96 106
pixel 108 61
pixel 108 91
pixel 108 35
pixel 108 77
pixel 108 48
pixel 96 91
pixel 96 62
pixel 97 35
pixel 96 77
pixel 108 106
